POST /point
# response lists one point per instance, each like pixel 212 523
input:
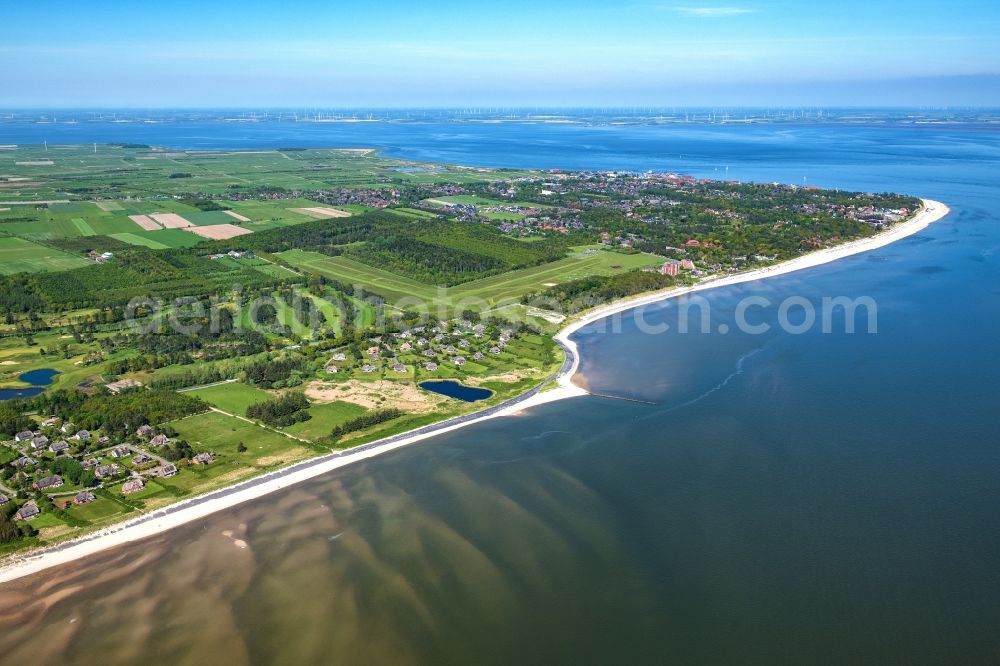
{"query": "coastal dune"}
pixel 564 387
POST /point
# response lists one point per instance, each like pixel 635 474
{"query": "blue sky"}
pixel 552 53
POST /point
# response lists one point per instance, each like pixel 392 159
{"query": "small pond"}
pixel 27 392
pixel 453 389
pixel 38 379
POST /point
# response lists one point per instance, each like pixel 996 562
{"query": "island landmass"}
pixel 184 331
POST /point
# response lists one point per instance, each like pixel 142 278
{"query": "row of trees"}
pixel 587 292
pixel 365 421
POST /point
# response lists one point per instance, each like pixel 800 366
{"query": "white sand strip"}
pixel 236 216
pixel 199 507
pixel 146 222
pixel 171 220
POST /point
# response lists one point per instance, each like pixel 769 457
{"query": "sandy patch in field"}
pixel 146 222
pixel 171 220
pixel 108 206
pixel 8 146
pixel 506 377
pixel 8 362
pixel 321 213
pixel 9 185
pixel 35 163
pixel 237 216
pixel 219 231
pixel 547 315
pixel 407 397
pixel 271 461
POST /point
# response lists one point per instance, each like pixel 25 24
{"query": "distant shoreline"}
pixel 146 525
pixel 932 211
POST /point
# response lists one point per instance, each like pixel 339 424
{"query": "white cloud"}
pixel 713 12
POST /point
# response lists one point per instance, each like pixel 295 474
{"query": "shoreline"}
pixel 931 212
pixel 185 511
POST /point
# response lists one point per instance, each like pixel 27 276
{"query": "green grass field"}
pixel 202 218
pixel 18 255
pixel 331 313
pixel 144 241
pixel 84 228
pixel 275 270
pixel 159 240
pixel 492 290
pixel 324 418
pixel 414 213
pixel 222 435
pixel 233 397
pixel 393 287
pixel 99 511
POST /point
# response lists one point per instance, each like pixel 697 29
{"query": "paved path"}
pixel 195 388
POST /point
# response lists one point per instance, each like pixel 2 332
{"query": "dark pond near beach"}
pixel 453 389
pixel 38 380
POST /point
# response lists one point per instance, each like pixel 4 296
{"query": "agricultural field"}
pixel 18 255
pixel 143 172
pixel 159 240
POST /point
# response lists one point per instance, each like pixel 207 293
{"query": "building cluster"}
pixel 428 348
pixel 234 254
pixel 100 463
pixel 100 257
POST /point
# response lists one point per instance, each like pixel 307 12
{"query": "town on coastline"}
pixel 175 322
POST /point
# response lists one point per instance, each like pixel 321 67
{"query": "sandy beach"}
pixel 932 211
pixel 199 507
